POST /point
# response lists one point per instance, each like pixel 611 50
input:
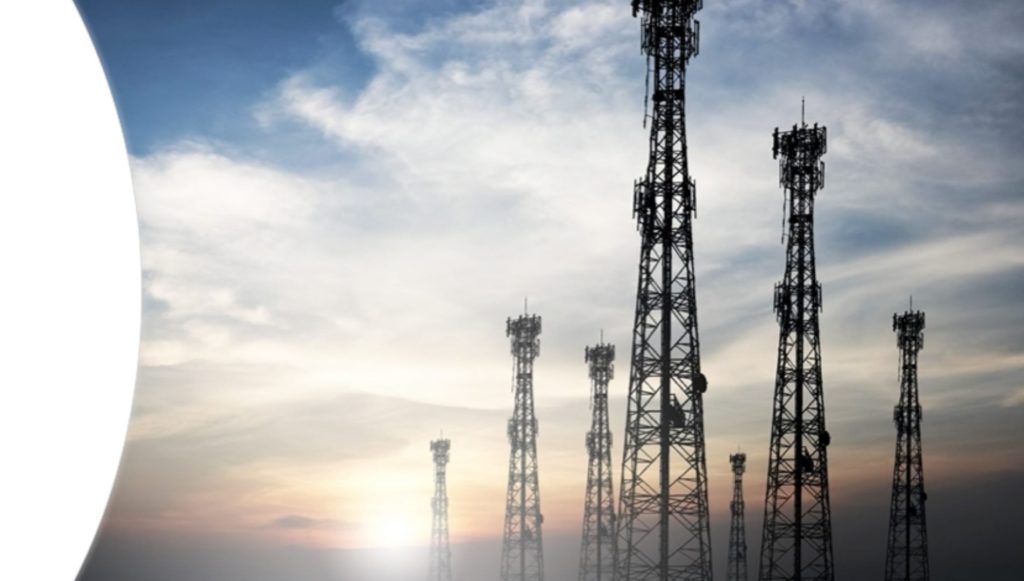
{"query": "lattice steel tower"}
pixel 737 567
pixel 663 515
pixel 440 551
pixel 797 540
pixel 907 555
pixel 598 555
pixel 522 555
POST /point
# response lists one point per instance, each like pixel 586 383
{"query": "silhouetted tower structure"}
pixel 797 540
pixel 522 555
pixel 737 567
pixel 663 514
pixel 907 555
pixel 598 555
pixel 440 551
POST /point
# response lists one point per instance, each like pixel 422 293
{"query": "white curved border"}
pixel 69 294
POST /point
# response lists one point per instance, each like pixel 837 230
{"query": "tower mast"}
pixel 737 567
pixel 598 555
pixel 440 551
pixel 522 555
pixel 663 531
pixel 907 555
pixel 797 541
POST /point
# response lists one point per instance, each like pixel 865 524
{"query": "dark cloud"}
pixel 294 521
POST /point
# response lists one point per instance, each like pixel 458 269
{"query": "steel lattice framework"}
pixel 907 555
pixel 440 551
pixel 797 539
pixel 737 565
pixel 598 554
pixel 522 555
pixel 663 515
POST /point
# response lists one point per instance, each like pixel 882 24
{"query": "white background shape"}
pixel 69 291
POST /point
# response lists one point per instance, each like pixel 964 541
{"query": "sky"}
pixel 341 202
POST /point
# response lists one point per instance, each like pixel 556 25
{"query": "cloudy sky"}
pixel 341 202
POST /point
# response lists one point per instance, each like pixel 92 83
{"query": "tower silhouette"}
pixel 907 555
pixel 598 554
pixel 663 530
pixel 440 551
pixel 737 567
pixel 522 554
pixel 796 543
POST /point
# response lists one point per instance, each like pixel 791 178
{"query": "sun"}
pixel 392 531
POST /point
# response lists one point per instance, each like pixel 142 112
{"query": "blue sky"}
pixel 195 67
pixel 341 203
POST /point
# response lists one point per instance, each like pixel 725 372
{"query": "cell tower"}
pixel 663 529
pixel 797 540
pixel 598 555
pixel 522 554
pixel 907 555
pixel 737 568
pixel 440 551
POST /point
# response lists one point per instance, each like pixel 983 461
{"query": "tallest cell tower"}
pixel 663 516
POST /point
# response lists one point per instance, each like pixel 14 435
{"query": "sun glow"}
pixel 392 531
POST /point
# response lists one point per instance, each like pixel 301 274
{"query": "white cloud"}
pixel 939 34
